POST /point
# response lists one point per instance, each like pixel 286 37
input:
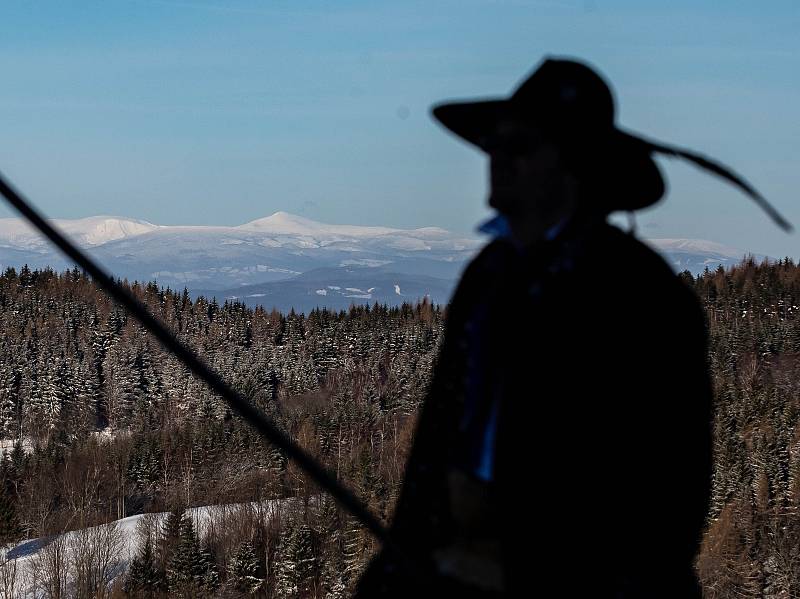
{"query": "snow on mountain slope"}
pixel 213 257
pixel 316 234
pixel 283 223
pixel 695 255
pixel 695 246
pixel 91 231
pixel 276 248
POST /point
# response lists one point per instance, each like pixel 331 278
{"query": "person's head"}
pixel 530 176
pixel 553 148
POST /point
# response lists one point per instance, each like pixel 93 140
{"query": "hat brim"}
pixel 626 175
pixel 632 179
pixel 475 121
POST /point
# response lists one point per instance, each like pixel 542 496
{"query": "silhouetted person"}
pixel 564 447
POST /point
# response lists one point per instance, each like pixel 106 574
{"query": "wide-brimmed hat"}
pixel 571 105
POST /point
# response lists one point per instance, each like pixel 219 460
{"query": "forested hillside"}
pixel 109 425
pixel 100 423
pixel 752 547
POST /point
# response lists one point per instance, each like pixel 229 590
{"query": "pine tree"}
pixel 243 570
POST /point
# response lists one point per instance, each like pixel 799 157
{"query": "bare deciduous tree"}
pixel 95 557
pixel 50 569
pixel 8 578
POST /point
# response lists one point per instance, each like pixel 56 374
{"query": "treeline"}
pixel 101 423
pixel 752 545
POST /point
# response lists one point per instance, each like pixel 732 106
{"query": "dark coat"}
pixel 597 355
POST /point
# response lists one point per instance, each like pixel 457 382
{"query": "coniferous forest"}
pixel 99 423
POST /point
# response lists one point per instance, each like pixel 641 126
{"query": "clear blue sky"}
pixel 219 112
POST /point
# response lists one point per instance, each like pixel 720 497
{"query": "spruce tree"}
pixel 297 562
pixel 169 537
pixel 144 578
pixel 243 570
pixel 191 570
pixel 9 525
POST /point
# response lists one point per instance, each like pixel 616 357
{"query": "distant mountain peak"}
pixel 89 231
pixel 695 255
pixel 292 256
pixel 697 246
pixel 282 218
pixel 285 223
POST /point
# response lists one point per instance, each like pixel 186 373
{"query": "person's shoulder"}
pixel 497 251
pixel 641 271
pixel 611 250
pixel 625 249
pixel 493 258
pixel 480 273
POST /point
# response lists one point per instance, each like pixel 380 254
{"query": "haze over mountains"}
pixel 285 260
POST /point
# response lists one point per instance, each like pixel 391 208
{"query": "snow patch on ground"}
pixel 7 446
pixel 25 555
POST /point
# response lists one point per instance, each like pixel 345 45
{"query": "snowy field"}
pixel 22 564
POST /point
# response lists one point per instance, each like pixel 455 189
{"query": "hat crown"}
pixel 567 93
pixel 573 104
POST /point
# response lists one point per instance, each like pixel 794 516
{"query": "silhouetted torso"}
pixel 590 354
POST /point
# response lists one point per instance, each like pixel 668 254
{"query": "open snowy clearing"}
pixel 22 563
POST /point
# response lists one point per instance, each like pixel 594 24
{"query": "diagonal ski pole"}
pixel 255 417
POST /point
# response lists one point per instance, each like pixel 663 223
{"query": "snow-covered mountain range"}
pixel 285 260
pixel 695 255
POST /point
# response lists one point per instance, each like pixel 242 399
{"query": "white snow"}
pixel 408 243
pixel 283 229
pixel 695 246
pixel 283 223
pixel 278 230
pixel 275 247
pixel 24 554
pixel 91 231
pixel 224 257
pixel 370 262
pixel 7 445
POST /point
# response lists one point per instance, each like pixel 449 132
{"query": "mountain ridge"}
pixel 279 248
